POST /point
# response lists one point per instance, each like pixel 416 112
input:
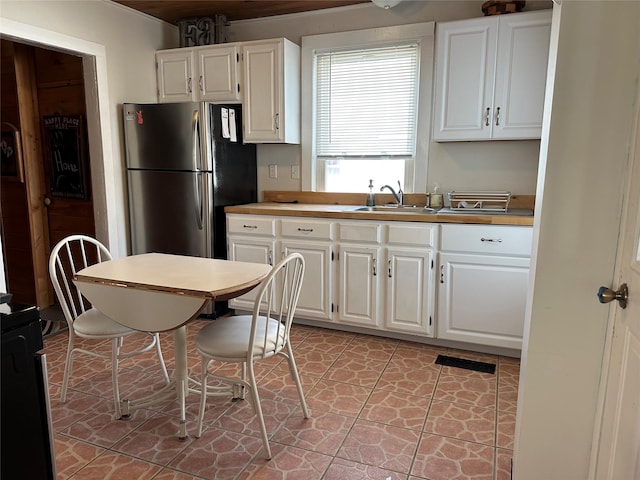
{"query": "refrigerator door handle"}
pixel 196 162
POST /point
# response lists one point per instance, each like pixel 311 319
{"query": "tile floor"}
pixel 381 409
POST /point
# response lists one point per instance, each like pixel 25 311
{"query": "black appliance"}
pixel 27 433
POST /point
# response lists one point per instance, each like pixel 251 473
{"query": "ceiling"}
pixel 173 10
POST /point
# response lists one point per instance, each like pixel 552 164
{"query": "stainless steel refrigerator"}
pixel 185 163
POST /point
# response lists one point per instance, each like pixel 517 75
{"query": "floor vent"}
pixel 466 364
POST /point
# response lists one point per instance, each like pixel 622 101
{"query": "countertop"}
pixel 349 212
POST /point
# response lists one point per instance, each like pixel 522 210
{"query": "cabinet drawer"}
pixel 251 224
pixel 501 240
pixel 299 228
pixel 360 232
pixel 420 235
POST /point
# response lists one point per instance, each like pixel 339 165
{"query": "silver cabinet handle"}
pixel 389 268
pixel 277 121
pixel 375 269
pixel 201 84
pixel 441 273
pixel 250 226
pixel 491 240
pixel 270 257
pixel 486 117
pixel 305 229
pixel 497 116
pixel 189 85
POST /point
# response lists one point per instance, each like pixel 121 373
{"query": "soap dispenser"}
pixel 370 198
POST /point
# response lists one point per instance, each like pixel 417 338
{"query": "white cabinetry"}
pixel 491 76
pixel 358 283
pixel 207 73
pixel 272 91
pixel 484 277
pixel 250 238
pixel 313 240
pixel 409 271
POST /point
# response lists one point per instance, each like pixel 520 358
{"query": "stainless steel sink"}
pixel 397 209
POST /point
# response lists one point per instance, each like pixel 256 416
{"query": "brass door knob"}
pixel 605 295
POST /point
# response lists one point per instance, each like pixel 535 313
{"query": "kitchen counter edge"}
pixel 349 212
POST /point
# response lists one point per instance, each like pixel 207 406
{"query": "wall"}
pixel 462 165
pixel 120 47
pixel 582 158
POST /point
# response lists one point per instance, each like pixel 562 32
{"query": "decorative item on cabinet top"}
pixel 203 31
pixel 498 7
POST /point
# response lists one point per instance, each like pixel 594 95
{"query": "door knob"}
pixel 605 295
pixel 47 201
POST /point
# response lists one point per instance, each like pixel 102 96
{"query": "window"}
pixel 365 121
pixel 362 111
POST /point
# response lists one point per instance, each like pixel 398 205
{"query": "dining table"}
pixel 158 292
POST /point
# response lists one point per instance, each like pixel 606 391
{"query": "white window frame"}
pixel 423 33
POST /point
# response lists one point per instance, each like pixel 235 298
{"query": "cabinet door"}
pixel 249 249
pixel 358 285
pixel 409 298
pixel 262 96
pixel 465 63
pixel 482 299
pixel 315 298
pixel 218 73
pixel 175 75
pixel 523 54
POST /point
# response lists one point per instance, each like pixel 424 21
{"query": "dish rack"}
pixel 483 201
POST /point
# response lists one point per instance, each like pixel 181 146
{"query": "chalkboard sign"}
pixel 65 140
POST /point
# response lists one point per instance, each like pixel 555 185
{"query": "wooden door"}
pixel 39 83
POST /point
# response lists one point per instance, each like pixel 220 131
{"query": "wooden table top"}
pixel 177 274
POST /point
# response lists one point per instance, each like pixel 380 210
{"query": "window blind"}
pixel 366 102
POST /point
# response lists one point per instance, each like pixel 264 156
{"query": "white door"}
pixel 314 300
pixel 618 454
pixel 254 250
pixel 358 285
pixel 218 79
pixel 175 72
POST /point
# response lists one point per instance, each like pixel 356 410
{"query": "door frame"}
pixel 99 131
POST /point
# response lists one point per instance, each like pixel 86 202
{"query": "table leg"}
pixel 181 376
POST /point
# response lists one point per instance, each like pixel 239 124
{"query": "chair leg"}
pixel 68 366
pixel 296 378
pixel 204 366
pixel 163 367
pixel 255 397
pixel 115 350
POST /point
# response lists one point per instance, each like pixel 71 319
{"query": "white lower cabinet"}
pixel 384 276
pixel 250 238
pixel 410 277
pixel 358 285
pixel 483 284
pixel 313 240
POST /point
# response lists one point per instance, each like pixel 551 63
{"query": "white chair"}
pixel 68 257
pixel 245 339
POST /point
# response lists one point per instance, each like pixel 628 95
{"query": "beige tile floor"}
pixel 381 409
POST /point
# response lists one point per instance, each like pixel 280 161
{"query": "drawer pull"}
pixel 249 226
pixel 305 230
pixel 491 240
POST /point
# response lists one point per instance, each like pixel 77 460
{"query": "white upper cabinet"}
pixel 207 73
pixel 272 91
pixel 490 77
pixel 175 75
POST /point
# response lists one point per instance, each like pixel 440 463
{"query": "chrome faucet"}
pixel 397 196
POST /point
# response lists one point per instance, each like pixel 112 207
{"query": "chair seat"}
pixel 227 338
pixel 94 324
